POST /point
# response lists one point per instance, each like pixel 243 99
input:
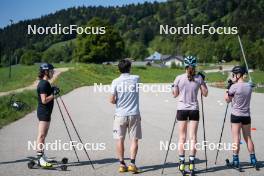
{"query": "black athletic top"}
pixel 44 110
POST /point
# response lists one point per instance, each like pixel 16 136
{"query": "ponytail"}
pixel 41 74
pixel 190 73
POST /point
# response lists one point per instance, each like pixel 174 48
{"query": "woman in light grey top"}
pixel 186 88
pixel 239 94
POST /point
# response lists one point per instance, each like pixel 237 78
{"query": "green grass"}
pixel 216 77
pixel 85 75
pixel 207 67
pixel 8 115
pixel 21 76
pixel 257 77
pixel 259 89
pixel 156 75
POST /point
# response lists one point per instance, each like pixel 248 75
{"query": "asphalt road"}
pixel 93 116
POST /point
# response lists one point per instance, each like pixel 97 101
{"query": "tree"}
pixel 137 51
pixel 30 57
pixel 163 45
pixel 98 48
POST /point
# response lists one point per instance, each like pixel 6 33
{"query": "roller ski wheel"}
pixel 256 166
pixel 31 164
pixel 64 160
pixel 232 166
pixel 192 173
pixel 63 167
pixel 189 173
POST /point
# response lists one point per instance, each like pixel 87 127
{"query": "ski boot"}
pixel 43 163
pixel 182 167
pixel 253 161
pixel 192 167
pixel 236 163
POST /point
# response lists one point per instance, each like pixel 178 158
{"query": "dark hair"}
pixel 41 74
pixel 124 66
pixel 190 73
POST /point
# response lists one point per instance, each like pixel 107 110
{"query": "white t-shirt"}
pixel 126 90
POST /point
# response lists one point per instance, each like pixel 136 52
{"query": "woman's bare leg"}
pixel 193 127
pixel 247 137
pixel 43 128
pixel 182 129
pixel 236 128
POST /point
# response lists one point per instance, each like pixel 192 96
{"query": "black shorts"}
pixel 44 113
pixel 245 120
pixel 44 118
pixel 183 115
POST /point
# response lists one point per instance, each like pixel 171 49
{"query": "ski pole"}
pixel 67 128
pixel 175 121
pixel 244 56
pixel 76 132
pixel 205 151
pixel 221 133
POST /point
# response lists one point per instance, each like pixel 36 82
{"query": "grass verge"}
pixel 21 76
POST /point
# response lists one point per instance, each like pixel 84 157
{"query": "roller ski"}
pixel 44 163
pixel 253 162
pixel 235 164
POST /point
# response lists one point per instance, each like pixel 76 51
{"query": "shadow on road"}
pixel 167 165
pixel 244 165
pixel 110 161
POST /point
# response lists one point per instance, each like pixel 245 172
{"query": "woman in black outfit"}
pixel 46 94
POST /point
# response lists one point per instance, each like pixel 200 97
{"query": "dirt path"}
pixel 33 86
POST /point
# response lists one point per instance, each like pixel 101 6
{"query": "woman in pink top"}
pixel 186 88
pixel 239 93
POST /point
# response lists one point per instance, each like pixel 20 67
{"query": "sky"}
pixel 28 9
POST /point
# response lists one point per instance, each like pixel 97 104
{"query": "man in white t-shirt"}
pixel 125 95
